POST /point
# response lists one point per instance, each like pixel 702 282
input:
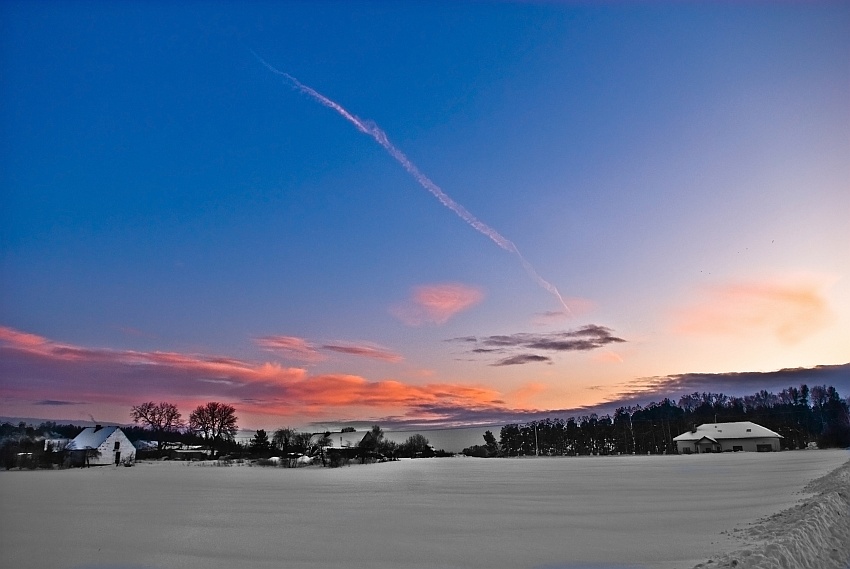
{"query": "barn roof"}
pixel 739 430
pixel 91 437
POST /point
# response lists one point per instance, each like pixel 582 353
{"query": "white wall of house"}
pixel 746 445
pixel 115 448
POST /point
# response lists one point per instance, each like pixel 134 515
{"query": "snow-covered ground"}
pixel 631 511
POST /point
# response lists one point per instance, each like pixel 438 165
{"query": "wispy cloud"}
pixel 56 403
pixel 437 303
pixel 365 351
pixel 790 309
pixel 522 359
pixel 303 350
pixel 291 346
pixel 578 307
pixel 582 339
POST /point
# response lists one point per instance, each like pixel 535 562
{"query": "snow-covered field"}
pixel 653 512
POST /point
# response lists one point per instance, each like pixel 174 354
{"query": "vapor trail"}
pixel 370 128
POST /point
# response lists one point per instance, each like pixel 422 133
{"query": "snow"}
pixel 90 437
pixel 654 512
pixel 814 534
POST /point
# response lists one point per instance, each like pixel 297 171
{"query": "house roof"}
pixel 739 430
pixel 91 437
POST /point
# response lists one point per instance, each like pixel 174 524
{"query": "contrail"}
pixel 370 128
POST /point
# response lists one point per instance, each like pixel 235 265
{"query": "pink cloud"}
pixel 22 339
pixel 437 303
pixel 365 351
pixel 302 350
pixel 790 310
pixel 291 346
pixel 33 368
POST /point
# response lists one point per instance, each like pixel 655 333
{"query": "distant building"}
pixel 55 444
pixel 100 445
pixel 722 437
pixel 351 439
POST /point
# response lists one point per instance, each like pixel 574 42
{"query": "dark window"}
pixel 764 448
pixel 117 445
pixel 736 448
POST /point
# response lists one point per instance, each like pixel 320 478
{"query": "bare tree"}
pixel 158 417
pixel 215 421
pixel 283 438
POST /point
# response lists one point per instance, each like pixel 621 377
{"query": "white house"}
pixel 101 445
pixel 721 437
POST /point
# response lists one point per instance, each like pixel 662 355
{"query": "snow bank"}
pixel 814 534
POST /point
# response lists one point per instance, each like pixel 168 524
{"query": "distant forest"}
pixel 801 415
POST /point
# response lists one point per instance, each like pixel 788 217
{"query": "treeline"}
pixel 800 414
pixel 373 446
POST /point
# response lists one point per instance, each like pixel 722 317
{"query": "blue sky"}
pixel 182 219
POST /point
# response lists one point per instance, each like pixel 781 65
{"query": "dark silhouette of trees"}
pixel 416 446
pixel 163 419
pixel 260 445
pixel 490 443
pixel 801 415
pixel 489 449
pixel 215 421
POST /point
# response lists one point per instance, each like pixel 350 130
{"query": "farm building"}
pixel 346 440
pixel 338 448
pixel 100 445
pixel 722 437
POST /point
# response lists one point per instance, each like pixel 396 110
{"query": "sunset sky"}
pixel 198 204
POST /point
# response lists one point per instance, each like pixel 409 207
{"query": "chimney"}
pixel 97 428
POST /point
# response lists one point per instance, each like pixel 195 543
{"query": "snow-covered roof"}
pixel 91 437
pixel 739 430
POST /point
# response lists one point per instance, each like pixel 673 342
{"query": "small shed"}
pixel 722 437
pixel 99 446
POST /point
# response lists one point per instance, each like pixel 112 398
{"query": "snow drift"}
pixel 814 534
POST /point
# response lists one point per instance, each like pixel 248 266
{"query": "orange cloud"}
pixel 437 303
pixel 36 369
pixel 791 311
pixel 292 346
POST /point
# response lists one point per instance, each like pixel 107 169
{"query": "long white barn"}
pixel 721 437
